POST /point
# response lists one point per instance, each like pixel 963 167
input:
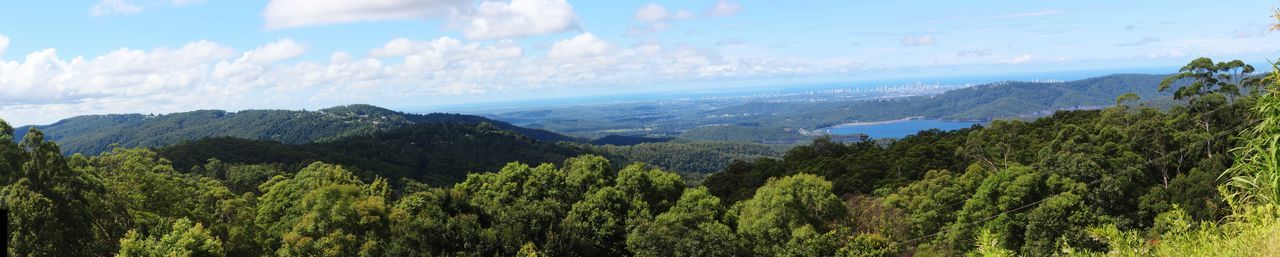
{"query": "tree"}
pixel 54 202
pixel 932 201
pixel 529 250
pixel 429 224
pixel 794 211
pixel 1207 77
pixel 323 210
pixel 690 228
pixel 657 189
pixel 868 245
pixel 597 225
pixel 338 220
pixel 184 239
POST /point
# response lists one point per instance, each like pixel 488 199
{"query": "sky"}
pixel 65 58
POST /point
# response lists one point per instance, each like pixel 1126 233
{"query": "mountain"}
pixel 784 118
pixel 438 153
pixel 94 134
pixel 985 102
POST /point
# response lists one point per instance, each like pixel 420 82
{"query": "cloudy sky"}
pixel 64 58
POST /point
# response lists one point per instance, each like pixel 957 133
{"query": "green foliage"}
pixel 989 245
pixel 1255 177
pixel 185 239
pixel 860 167
pixel 323 210
pixel 692 227
pixel 730 133
pixel 794 213
pixel 435 153
pixel 529 250
pixel 693 157
pixel 51 202
pixel 94 134
pixel 868 245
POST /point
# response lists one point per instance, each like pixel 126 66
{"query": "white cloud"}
pixel 918 41
pixel 296 13
pixel 4 44
pixel 283 49
pixel 45 87
pixel 1025 58
pixel 583 45
pixel 519 18
pixel 724 8
pixel 488 19
pixel 651 13
pixel 105 7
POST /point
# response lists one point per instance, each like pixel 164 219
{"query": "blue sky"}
pixel 66 58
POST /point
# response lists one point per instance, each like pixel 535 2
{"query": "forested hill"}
pixel 438 153
pixel 985 102
pixel 94 134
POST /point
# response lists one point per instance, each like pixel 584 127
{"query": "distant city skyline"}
pixel 61 59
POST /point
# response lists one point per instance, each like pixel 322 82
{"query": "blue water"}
pixel 900 129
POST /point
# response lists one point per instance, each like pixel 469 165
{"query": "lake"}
pixel 898 129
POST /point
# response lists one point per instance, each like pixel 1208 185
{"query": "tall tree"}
pixel 794 211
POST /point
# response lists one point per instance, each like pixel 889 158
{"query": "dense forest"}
pixel 95 134
pixel 438 153
pixel 1129 180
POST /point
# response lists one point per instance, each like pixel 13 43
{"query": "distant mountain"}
pixel 984 102
pixel 438 153
pixel 94 134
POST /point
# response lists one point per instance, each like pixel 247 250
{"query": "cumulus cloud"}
pixel 296 13
pixel 651 13
pixel 475 19
pixel 724 8
pixel 497 19
pixel 45 87
pixel 584 45
pixel 106 7
pixel 283 49
pixel 918 40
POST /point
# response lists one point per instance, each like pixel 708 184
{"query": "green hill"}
pixel 94 134
pixel 431 152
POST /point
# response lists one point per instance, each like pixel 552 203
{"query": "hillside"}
pixel 93 134
pixel 431 152
pixel 984 102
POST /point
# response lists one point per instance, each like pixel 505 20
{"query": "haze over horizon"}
pixel 161 56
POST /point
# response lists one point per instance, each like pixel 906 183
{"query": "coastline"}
pixel 869 123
